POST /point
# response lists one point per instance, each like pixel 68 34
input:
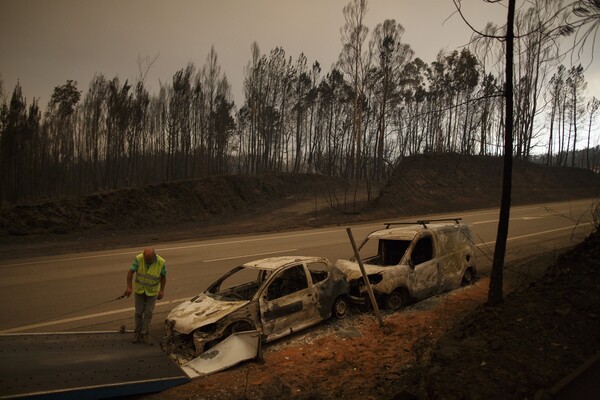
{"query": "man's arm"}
pixel 129 283
pixel 163 283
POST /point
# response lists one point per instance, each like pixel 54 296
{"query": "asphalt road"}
pixel 73 292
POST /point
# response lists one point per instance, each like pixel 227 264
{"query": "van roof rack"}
pixel 422 222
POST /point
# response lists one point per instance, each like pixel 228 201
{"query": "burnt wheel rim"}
pixel 340 308
pixel 395 301
pixel 468 277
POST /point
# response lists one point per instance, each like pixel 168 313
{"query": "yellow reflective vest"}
pixel 147 277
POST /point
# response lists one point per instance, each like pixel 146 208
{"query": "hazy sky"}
pixel 43 43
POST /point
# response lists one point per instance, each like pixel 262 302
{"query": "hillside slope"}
pixel 156 205
pixel 453 182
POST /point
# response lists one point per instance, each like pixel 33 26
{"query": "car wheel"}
pixel 340 307
pixel 468 278
pixel 395 300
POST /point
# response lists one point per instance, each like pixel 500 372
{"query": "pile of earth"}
pixel 453 182
pixel 157 205
pixel 215 206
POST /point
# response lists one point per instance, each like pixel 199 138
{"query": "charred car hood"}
pixel 203 310
pixel 352 269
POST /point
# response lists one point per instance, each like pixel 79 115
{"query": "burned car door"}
pixel 425 275
pixel 288 303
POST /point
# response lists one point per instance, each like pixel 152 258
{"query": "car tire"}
pixel 395 300
pixel 340 307
pixel 468 277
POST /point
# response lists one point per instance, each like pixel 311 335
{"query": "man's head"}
pixel 149 255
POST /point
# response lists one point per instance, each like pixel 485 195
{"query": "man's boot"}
pixel 137 338
pixel 146 339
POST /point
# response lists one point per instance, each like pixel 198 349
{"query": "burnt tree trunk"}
pixel 495 295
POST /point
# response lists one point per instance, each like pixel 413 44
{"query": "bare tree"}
pixel 302 85
pixel 576 85
pixel 592 109
pixel 392 56
pixel 536 50
pixel 540 26
pixel 556 94
pixel 61 122
pixel 585 23
pixel 495 294
pixel 354 61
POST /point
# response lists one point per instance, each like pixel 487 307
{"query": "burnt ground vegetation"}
pixel 449 346
pixel 523 349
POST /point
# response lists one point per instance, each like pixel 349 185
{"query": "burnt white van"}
pixel 406 262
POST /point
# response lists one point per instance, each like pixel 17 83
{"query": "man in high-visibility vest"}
pixel 150 282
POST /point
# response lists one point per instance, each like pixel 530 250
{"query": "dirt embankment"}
pixel 454 182
pixel 523 348
pixel 156 205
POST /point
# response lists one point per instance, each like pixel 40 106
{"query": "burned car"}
pixel 275 296
pixel 411 261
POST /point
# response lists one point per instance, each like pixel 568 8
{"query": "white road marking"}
pixel 489 221
pixel 250 255
pixel 249 240
pixel 537 233
pixel 484 222
pixel 47 261
pixel 84 317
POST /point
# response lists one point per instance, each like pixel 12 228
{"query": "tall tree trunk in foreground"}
pixel 495 295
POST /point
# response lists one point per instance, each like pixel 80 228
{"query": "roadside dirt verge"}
pixel 522 348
